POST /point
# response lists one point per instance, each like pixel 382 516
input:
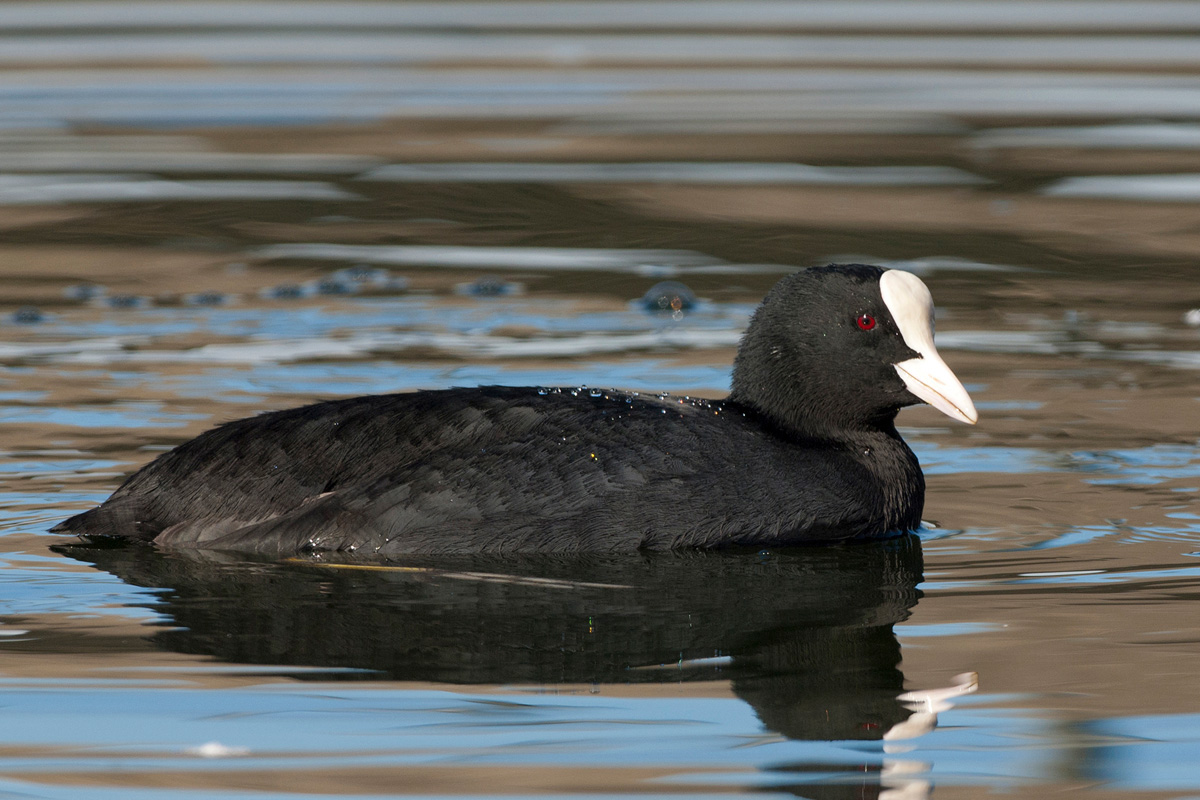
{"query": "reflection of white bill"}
pixel 900 778
pixel 926 704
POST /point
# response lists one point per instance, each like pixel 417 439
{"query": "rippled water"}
pixel 209 210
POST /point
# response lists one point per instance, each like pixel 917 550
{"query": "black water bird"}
pixel 804 449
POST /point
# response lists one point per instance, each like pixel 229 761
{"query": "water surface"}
pixel 210 210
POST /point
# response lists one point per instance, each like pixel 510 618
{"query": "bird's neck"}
pixel 795 418
pixel 874 443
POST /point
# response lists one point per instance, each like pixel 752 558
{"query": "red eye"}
pixel 866 322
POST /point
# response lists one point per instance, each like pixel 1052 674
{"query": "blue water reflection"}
pixel 189 190
pixel 1163 764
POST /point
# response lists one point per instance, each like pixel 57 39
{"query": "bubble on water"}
pixel 210 298
pixel 489 287
pixel 669 297
pixel 84 292
pixel 368 276
pixel 285 291
pixel 334 286
pixel 126 301
pixel 28 315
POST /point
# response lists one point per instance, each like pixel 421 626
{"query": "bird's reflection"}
pixel 805 636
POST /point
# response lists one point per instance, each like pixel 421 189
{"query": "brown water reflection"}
pixel 1036 163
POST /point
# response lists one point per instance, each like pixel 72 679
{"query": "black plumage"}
pixel 804 449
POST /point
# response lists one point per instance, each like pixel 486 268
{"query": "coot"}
pixel 804 449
